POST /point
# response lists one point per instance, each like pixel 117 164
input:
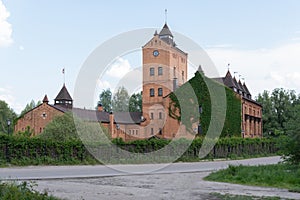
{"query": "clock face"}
pixel 155 53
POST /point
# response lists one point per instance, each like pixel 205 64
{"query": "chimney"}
pixel 100 107
pixel 111 124
pixel 175 84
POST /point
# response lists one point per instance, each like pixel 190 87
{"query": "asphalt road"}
pixel 152 181
pixel 68 172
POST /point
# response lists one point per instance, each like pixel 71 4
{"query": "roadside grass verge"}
pixel 242 197
pixel 279 176
pixel 22 191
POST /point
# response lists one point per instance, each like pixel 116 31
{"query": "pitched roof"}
pixel 86 114
pixel 63 94
pixel 166 35
pixel 246 89
pixel 241 86
pixel 236 83
pixel 165 31
pixel 229 81
pixel 128 117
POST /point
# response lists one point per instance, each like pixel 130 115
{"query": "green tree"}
pixel 282 103
pixel 135 102
pixel 105 100
pixel 61 128
pixel 30 106
pixel 120 102
pixel 6 113
pixel 291 145
pixel 277 109
pixel 269 120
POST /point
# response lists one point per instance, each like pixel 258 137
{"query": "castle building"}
pixel 164 70
pixel 251 115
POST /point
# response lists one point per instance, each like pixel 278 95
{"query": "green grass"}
pixel 242 197
pixel 23 191
pixel 279 176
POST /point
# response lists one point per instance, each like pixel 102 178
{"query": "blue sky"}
pixel 260 39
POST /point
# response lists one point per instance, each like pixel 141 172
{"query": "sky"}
pixel 260 40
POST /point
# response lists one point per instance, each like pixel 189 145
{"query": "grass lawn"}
pixel 242 197
pixel 279 176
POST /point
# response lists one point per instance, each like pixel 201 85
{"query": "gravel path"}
pixel 158 186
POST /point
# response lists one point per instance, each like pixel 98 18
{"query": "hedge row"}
pixel 25 151
pixel 28 151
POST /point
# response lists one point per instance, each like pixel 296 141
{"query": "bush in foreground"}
pixel 23 191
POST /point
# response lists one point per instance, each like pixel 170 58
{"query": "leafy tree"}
pixel 269 120
pixel 291 145
pixel 105 100
pixel 6 113
pixel 63 128
pixel 135 102
pixel 282 102
pixel 277 109
pixel 120 102
pixel 30 106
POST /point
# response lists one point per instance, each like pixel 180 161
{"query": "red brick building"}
pixel 164 70
pixel 251 110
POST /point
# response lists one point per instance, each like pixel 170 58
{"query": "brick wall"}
pixel 37 118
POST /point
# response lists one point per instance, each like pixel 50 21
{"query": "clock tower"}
pixel 164 69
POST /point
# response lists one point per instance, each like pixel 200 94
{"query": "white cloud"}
pixel 5 27
pixel 6 95
pixel 263 69
pixel 103 84
pixel 119 68
pixel 21 48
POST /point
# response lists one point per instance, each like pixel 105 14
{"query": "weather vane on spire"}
pixel 64 76
pixel 166 15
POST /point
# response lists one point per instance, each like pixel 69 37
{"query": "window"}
pixel 151 71
pixel 160 115
pixel 182 74
pixel 160 91
pixel 160 131
pixel 151 115
pixel 152 132
pixel 160 71
pixel 174 71
pixel 44 115
pixel 151 92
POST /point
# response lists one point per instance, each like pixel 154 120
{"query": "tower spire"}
pixel 166 16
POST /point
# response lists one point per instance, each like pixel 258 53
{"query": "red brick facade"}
pixel 37 119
